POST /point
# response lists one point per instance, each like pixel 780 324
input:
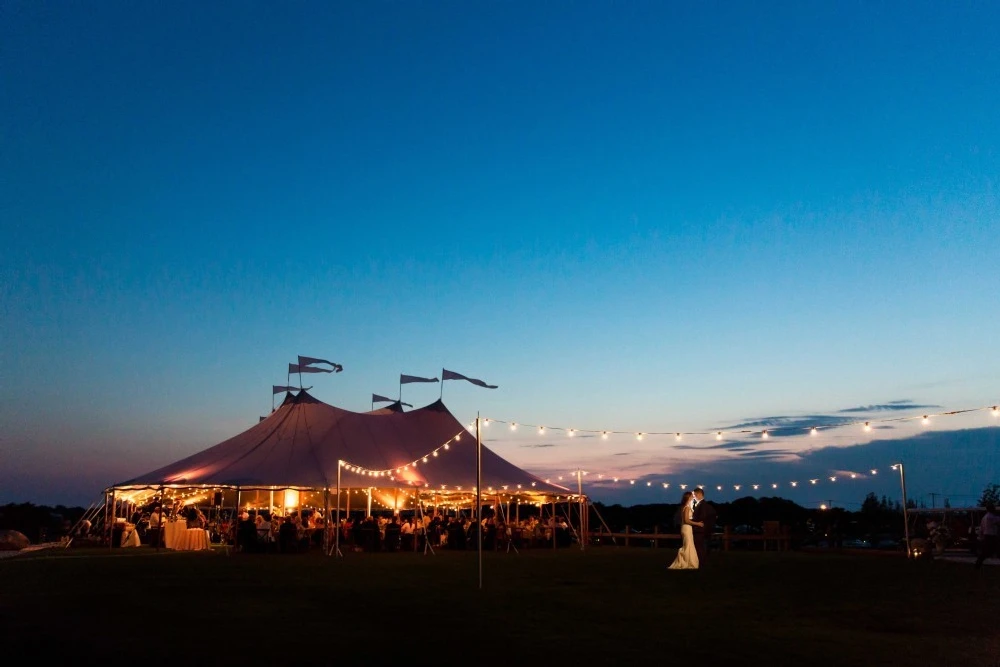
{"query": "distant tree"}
pixel 871 505
pixel 991 494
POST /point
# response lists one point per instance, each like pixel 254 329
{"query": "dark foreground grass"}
pixel 102 607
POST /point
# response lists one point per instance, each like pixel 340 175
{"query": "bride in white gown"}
pixel 687 557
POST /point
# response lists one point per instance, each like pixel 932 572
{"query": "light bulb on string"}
pixel 794 483
pixel 926 420
pixel 541 430
pixel 764 434
pixel 868 427
pixel 604 435
pixel 718 436
pixel 571 432
pixel 638 436
pixel 995 411
pixel 678 436
pixel 513 426
pixel 874 472
pixel 813 431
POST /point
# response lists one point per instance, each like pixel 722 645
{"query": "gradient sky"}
pixel 634 216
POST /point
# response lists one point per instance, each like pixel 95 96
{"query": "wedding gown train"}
pixel 687 556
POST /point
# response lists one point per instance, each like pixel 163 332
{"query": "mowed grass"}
pixel 565 607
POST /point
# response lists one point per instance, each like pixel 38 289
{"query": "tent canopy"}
pixel 301 444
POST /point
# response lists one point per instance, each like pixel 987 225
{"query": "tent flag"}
pixel 406 379
pixel 309 361
pixel 297 368
pixel 451 375
pixel 382 399
pixel 275 389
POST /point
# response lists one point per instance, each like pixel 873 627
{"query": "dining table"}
pixel 177 536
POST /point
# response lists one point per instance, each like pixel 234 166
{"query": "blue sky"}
pixel 634 216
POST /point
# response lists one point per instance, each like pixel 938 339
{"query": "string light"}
pixel 765 433
pixel 926 420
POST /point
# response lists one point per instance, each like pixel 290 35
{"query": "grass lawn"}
pixel 569 607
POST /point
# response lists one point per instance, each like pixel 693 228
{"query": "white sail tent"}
pixel 424 456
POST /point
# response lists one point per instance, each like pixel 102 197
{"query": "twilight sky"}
pixel 631 216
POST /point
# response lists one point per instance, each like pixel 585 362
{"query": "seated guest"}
pixel 406 534
pixel 288 536
pixel 155 523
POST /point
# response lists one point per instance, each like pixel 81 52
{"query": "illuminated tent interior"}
pixel 290 459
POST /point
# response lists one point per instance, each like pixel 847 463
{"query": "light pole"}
pixel 906 518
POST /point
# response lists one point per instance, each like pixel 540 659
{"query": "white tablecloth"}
pixel 192 539
pixel 171 529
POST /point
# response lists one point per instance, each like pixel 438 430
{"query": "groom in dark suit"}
pixel 704 513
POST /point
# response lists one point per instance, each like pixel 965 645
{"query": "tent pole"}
pixel 326 519
pixel 114 517
pixel 479 490
pixel 579 487
pixel 236 518
pixel 554 524
pixel 105 529
pixel 336 524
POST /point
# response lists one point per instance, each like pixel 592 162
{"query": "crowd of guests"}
pixel 297 532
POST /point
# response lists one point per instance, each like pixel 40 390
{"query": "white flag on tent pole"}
pixel 309 361
pixel 452 375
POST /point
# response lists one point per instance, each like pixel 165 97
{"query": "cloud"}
pixel 538 445
pixel 950 464
pixel 730 445
pixel 784 426
pixel 891 406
